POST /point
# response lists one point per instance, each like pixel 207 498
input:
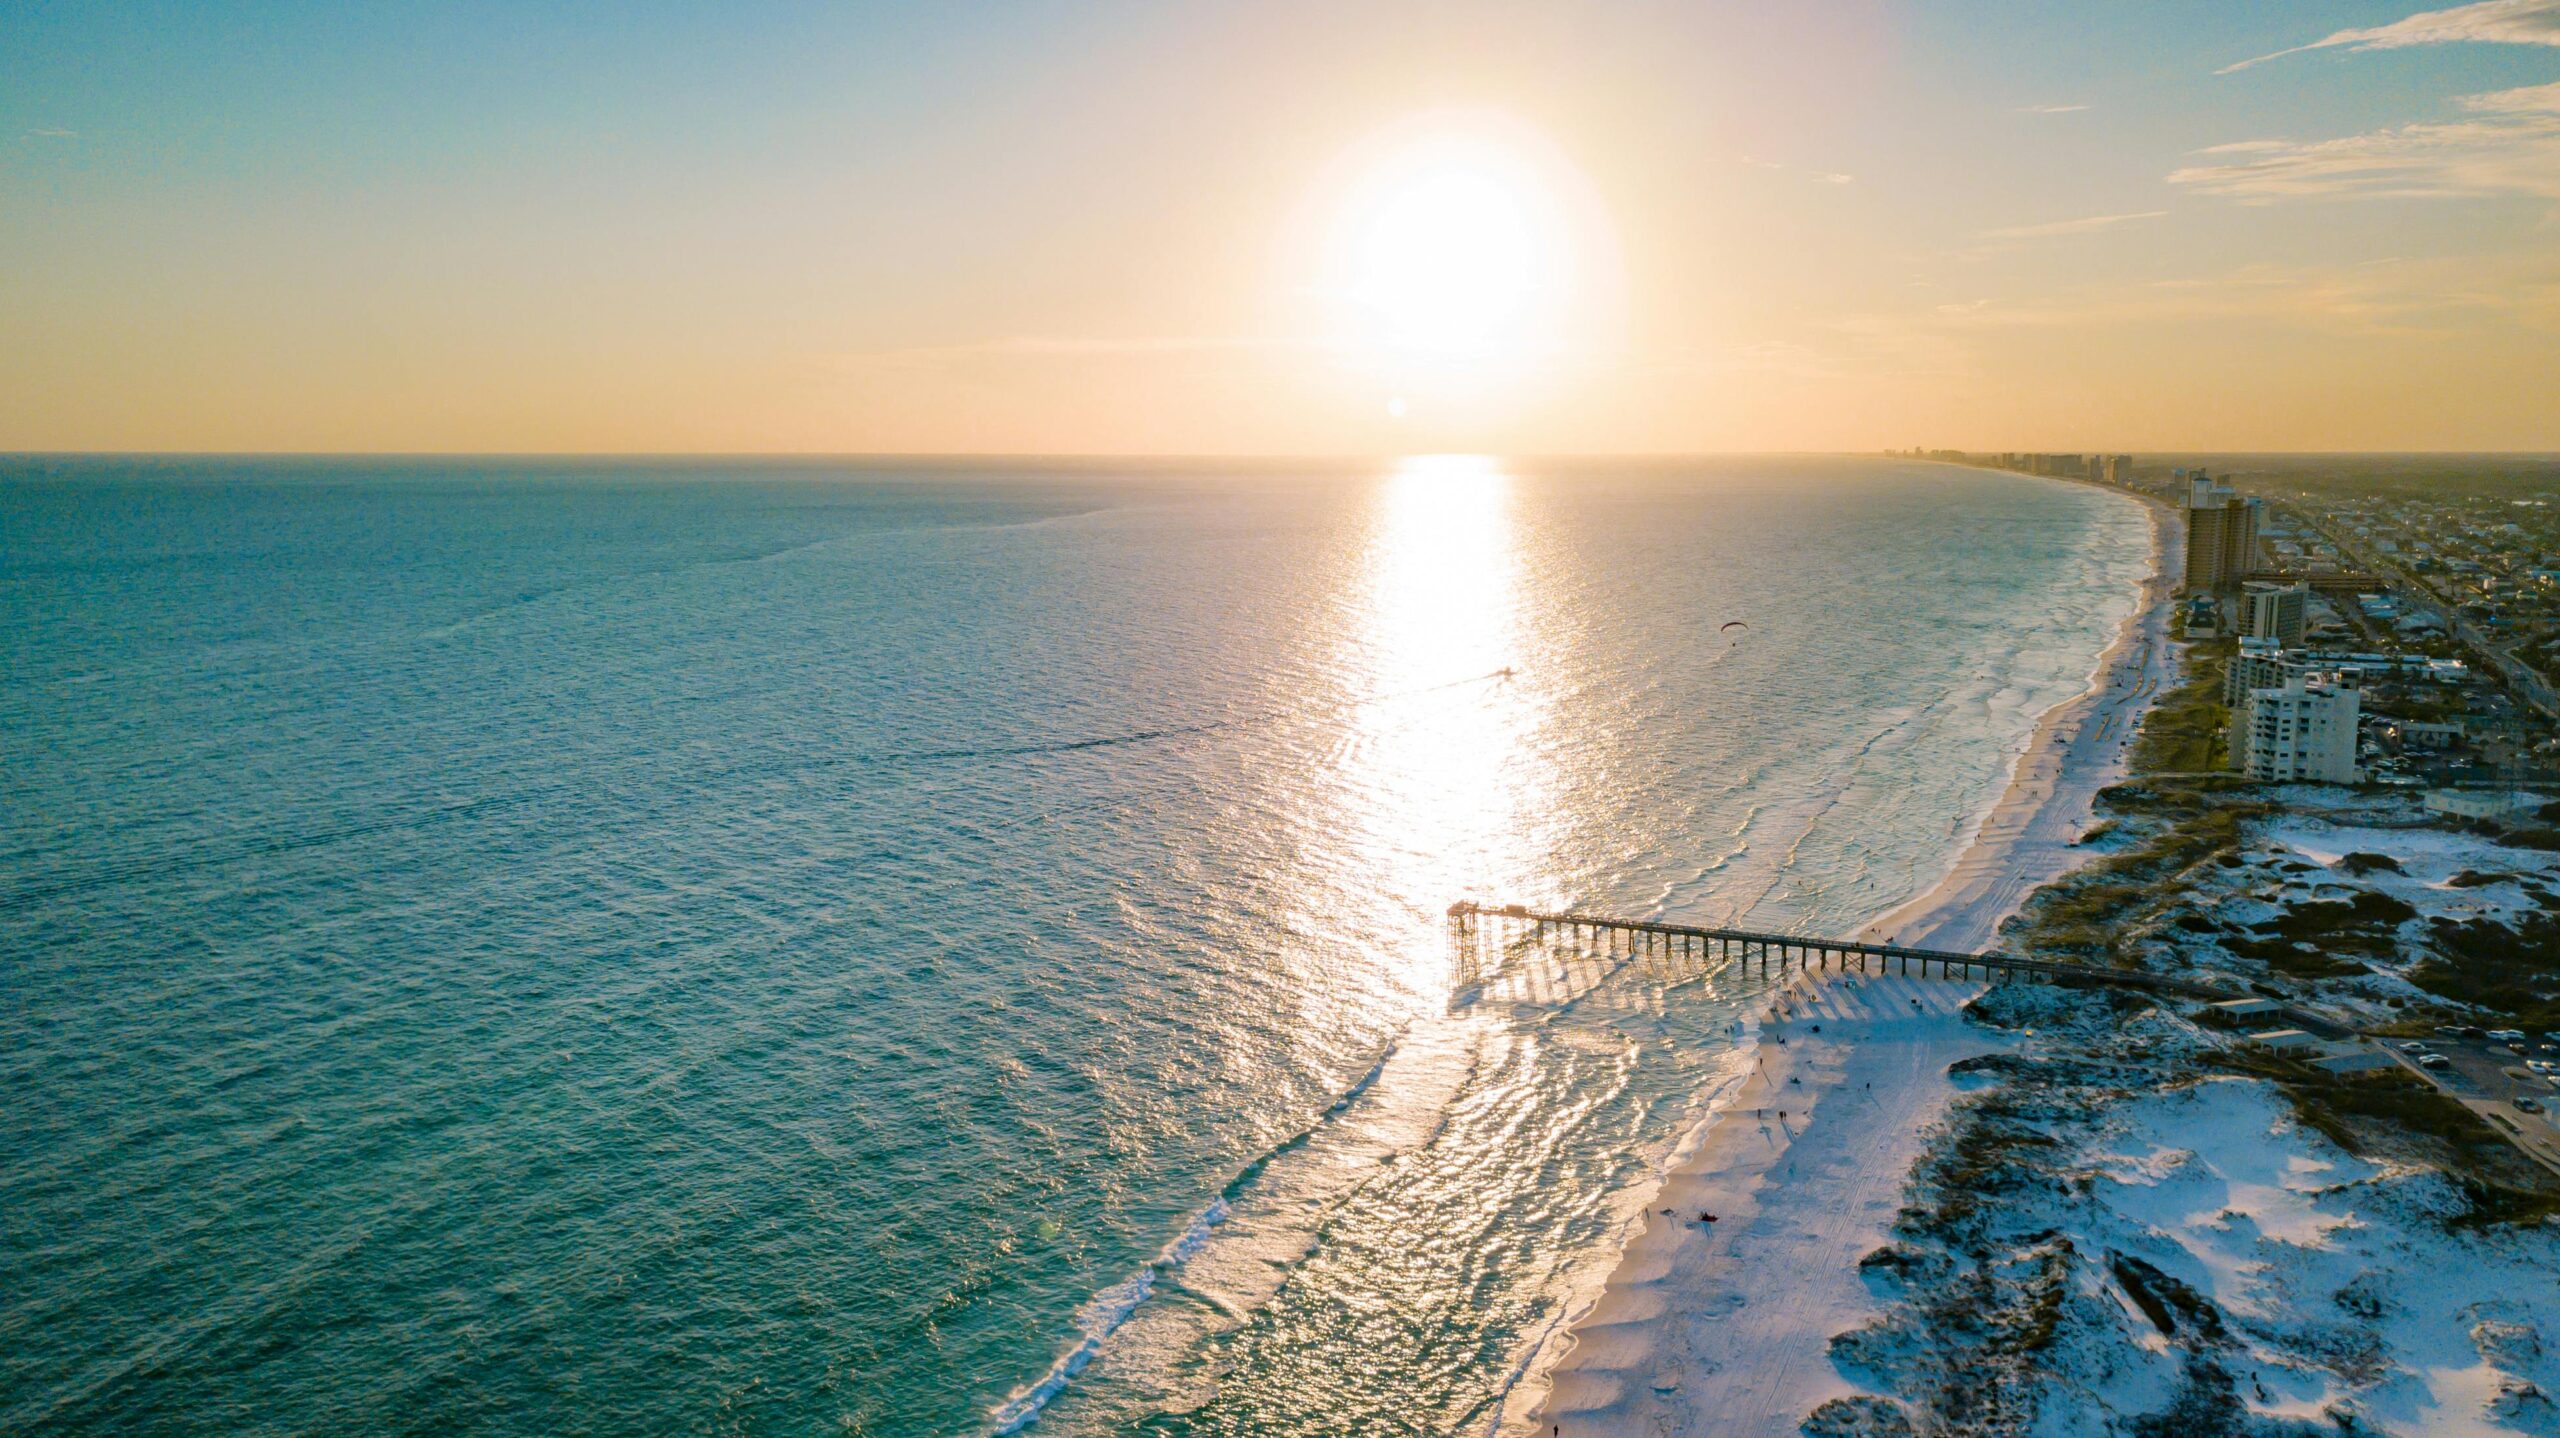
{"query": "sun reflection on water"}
pixel 1442 788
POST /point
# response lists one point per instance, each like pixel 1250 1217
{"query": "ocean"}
pixel 625 947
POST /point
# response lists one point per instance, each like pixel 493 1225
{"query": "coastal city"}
pixel 2339 814
pixel 2370 628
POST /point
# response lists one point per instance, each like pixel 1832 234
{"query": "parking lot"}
pixel 2488 1078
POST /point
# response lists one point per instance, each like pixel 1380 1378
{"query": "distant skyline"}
pixel 1304 228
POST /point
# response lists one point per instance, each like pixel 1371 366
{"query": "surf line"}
pixel 1102 1315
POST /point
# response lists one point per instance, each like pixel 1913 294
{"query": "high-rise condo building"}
pixel 2304 730
pixel 2222 535
pixel 2274 611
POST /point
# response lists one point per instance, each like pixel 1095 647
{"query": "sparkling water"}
pixel 636 947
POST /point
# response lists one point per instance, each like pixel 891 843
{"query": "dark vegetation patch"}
pixel 2361 863
pixel 2515 970
pixel 2206 1405
pixel 2177 1310
pixel 2329 918
pixel 2294 960
pixel 2475 878
pixel 2089 915
pixel 2315 940
pixel 2187 729
pixel 1860 1416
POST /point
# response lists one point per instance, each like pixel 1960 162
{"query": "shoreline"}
pixel 2029 836
pixel 1799 1203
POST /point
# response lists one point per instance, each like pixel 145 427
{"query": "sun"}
pixel 1448 259
pixel 1456 252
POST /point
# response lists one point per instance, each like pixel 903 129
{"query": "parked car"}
pixel 2529 1105
pixel 2474 1031
pixel 2434 1061
pixel 2413 1046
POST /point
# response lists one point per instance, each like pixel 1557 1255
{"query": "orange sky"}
pixel 1135 229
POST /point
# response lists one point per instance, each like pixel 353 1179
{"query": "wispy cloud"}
pixel 2496 22
pixel 2438 297
pixel 2052 228
pixel 2510 147
pixel 2051 109
pixel 48 132
pixel 1819 177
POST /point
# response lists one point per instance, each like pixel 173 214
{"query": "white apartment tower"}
pixel 2259 664
pixel 2303 730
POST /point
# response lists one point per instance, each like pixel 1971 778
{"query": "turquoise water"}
pixel 786 948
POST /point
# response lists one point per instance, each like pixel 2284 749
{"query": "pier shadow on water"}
pixel 1554 965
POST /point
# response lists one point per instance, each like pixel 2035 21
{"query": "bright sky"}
pixel 1315 226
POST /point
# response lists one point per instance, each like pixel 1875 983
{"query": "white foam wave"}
pixel 1529 1372
pixel 1099 1318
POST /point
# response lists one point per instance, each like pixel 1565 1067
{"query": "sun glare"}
pixel 1457 251
pixel 1449 262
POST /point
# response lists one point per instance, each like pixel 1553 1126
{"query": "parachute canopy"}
pixel 1731 625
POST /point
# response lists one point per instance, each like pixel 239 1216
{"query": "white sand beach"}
pixel 1724 1328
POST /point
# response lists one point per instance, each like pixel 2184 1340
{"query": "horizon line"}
pixel 1222 457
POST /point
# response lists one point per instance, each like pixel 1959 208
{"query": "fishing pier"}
pixel 1478 931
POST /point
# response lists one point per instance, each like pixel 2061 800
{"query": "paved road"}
pixel 2521 678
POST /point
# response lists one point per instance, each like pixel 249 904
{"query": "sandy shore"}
pixel 1724 1328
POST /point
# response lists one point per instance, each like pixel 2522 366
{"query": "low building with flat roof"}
pixel 2484 803
pixel 2284 1040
